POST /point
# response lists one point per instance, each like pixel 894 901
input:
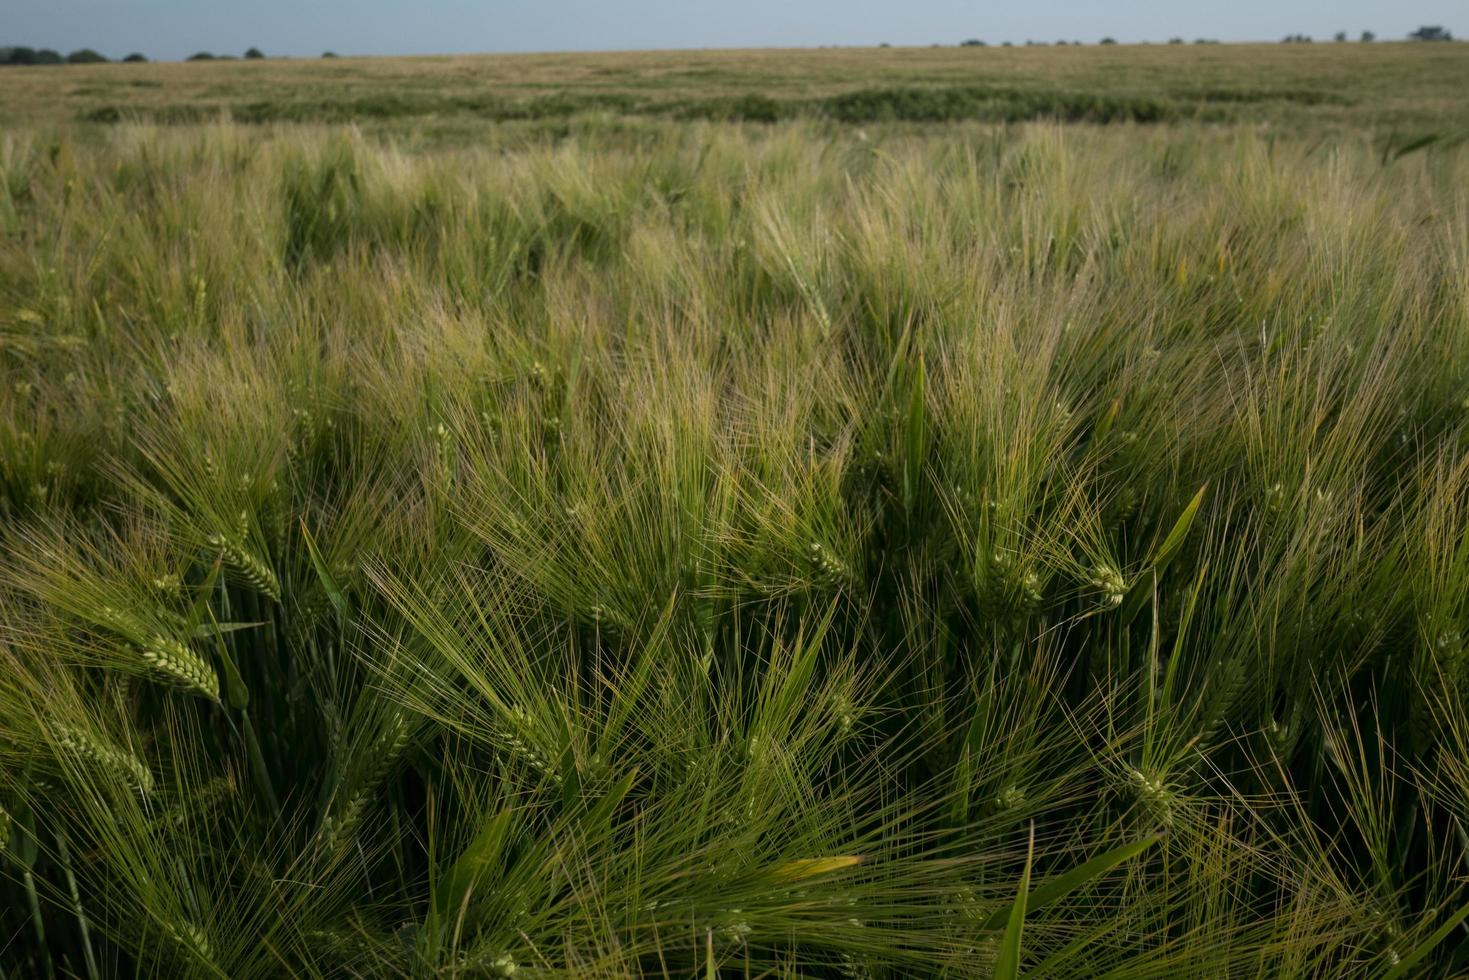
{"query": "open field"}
pixel 617 539
pixel 1323 87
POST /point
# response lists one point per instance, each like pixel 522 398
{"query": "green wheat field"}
pixel 891 513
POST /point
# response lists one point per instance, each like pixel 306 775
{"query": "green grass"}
pixel 823 533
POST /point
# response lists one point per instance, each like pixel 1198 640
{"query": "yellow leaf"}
pixel 802 868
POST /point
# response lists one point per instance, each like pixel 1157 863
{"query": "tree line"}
pixel 1426 33
pixel 22 55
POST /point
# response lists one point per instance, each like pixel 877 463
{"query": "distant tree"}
pixel 1175 40
pixel 1205 40
pixel 1108 40
pixel 972 42
pixel 135 57
pixel 21 55
pixel 200 56
pixel 86 56
pixel 1339 36
pixel 1431 34
pixel 1006 44
pixel 328 54
pixel 17 55
pixel 1368 37
pixel 254 53
pixel 1297 39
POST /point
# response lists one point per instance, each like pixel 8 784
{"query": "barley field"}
pixel 955 513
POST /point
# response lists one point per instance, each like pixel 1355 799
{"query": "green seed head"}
pixel 1153 793
pixel 181 666
pixel 83 746
pixel 1012 797
pixel 1107 580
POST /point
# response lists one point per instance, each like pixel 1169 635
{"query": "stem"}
pixel 257 764
pixel 37 924
pixel 63 852
pixel 178 862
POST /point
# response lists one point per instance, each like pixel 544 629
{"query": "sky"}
pixel 169 29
